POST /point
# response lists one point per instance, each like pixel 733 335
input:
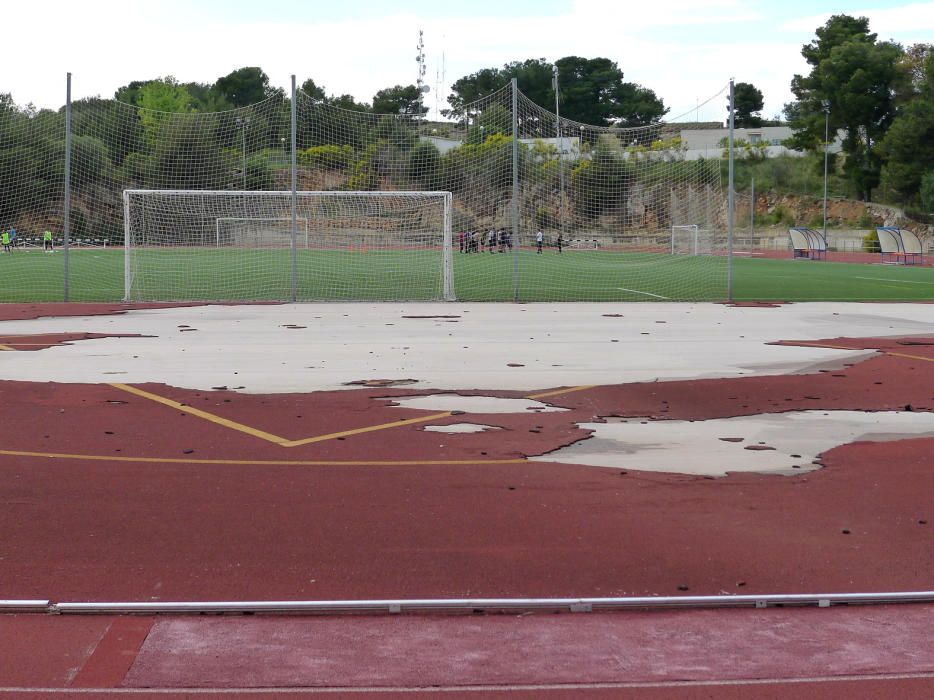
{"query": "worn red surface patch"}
pixel 474 527
pixel 17 312
pixel 42 341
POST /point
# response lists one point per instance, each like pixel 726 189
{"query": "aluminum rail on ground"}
pixel 9 606
pixel 470 605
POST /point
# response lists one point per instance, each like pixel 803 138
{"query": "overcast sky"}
pixel 684 50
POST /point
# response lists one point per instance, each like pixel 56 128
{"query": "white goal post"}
pixel 690 239
pixel 188 245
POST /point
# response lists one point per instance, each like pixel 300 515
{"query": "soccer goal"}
pixel 691 240
pixel 204 245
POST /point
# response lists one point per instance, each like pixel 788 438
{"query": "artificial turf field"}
pixel 576 275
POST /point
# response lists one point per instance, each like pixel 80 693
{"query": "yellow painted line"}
pixel 265 462
pixel 883 352
pixel 7 347
pixel 233 425
pixel 910 357
pixel 285 442
pixel 368 429
pixel 559 392
pixel 826 347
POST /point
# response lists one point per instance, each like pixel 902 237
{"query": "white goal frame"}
pixel 694 238
pixel 301 220
pixel 288 199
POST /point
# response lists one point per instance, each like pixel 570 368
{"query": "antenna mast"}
pixel 420 59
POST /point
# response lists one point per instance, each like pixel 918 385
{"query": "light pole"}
pixel 243 122
pixel 560 156
pixel 826 149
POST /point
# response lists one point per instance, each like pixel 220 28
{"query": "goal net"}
pixel 188 245
pixel 604 197
pixel 259 232
pixel 693 240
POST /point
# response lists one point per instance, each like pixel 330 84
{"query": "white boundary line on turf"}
pixel 485 688
pixel 648 294
pixel 887 279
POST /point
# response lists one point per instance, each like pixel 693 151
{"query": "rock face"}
pixel 841 213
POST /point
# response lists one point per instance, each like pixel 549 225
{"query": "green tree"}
pixel 318 95
pixel 927 192
pixel 908 146
pixel 314 91
pixel 405 100
pixel 747 105
pixel 591 90
pixel 854 79
pixel 245 86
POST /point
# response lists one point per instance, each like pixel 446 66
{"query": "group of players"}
pixel 477 241
pixel 9 242
pixel 493 240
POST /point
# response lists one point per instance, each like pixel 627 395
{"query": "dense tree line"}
pixel 234 134
pixel 880 96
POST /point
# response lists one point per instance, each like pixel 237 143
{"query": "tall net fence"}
pixel 541 209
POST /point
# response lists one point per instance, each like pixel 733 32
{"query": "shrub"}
pixel 871 242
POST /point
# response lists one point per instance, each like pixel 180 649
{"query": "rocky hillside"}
pixel 793 210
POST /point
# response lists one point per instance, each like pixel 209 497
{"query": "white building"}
pixel 707 143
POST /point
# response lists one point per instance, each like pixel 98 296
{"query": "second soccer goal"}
pixel 196 245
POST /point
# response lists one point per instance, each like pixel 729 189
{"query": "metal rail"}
pixel 465 605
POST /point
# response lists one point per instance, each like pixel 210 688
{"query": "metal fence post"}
pixel 294 201
pixel 66 222
pixel 730 203
pixel 515 190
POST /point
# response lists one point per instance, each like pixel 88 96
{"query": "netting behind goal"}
pixel 605 198
pixel 192 245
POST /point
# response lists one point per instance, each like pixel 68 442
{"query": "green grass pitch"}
pixel 232 274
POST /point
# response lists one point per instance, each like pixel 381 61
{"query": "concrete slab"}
pixel 771 443
pixel 460 428
pixel 313 347
pixel 473 404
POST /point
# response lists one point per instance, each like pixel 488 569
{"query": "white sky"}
pixel 684 50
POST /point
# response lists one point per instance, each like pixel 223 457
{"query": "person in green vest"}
pixel 47 241
pixel 6 242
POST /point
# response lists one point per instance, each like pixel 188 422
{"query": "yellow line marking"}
pixel 910 357
pixel 285 442
pixel 266 462
pixel 368 429
pixel 7 347
pixel 828 347
pixel 558 392
pixel 233 425
pixel 882 352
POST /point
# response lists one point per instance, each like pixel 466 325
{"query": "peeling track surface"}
pixel 217 514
